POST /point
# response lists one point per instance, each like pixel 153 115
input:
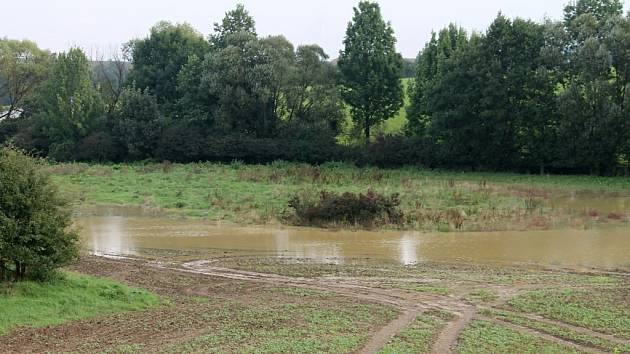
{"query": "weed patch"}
pixel 366 210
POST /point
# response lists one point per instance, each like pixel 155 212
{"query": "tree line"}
pixel 522 96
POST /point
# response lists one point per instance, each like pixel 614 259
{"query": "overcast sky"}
pixel 60 24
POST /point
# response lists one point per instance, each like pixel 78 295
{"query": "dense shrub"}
pixel 99 146
pixel 181 142
pixel 254 150
pixel 348 208
pixel 34 221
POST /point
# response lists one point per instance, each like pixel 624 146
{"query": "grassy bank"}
pixel 71 298
pixel 259 194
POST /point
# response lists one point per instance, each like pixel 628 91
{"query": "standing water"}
pixel 124 232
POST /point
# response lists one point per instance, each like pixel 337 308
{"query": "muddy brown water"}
pixel 129 232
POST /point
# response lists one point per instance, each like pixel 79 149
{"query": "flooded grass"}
pixel 70 298
pixel 429 200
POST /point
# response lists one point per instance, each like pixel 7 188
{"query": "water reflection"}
pixel 409 247
pixel 109 237
pixel 601 248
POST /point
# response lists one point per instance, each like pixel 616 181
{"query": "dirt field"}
pixel 250 304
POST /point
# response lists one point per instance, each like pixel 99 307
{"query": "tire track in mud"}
pixel 385 334
pixel 410 304
pixel 447 340
pixel 403 300
pixel 582 330
pixel 542 335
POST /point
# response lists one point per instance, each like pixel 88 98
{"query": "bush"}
pixel 100 147
pixel 34 221
pixel 348 208
pixel 181 142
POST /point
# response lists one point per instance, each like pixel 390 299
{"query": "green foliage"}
pixel 429 66
pixel 65 299
pixel 137 122
pixel 35 237
pixel 311 101
pixel 23 67
pixel 348 208
pixel 522 96
pixel 247 78
pixel 158 59
pixel 68 108
pixel 370 68
pixel 480 99
pixel 237 21
pixel 588 18
pixel 593 107
pixel 195 103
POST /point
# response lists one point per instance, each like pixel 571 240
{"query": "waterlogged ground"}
pixel 268 305
pixel 536 265
pixel 118 234
pixel 430 201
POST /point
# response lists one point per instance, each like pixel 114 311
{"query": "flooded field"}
pixel 125 231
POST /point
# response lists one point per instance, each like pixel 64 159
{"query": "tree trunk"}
pixel 18 268
pixel 367 131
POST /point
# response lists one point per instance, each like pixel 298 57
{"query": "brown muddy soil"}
pixel 194 290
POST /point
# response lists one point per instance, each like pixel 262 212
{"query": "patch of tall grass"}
pixel 67 298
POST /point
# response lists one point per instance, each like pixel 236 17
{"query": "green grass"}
pixel 418 336
pixel 303 322
pixel 485 337
pixel 483 295
pixel 73 297
pixel 605 310
pixel 560 332
pixel 422 287
pixel 259 194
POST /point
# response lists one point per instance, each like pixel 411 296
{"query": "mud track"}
pixel 214 281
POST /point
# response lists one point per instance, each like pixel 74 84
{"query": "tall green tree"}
pixel 246 78
pixel 313 106
pixel 370 67
pixel 23 67
pixel 68 107
pixel 158 59
pixel 137 123
pixel 195 103
pixel 429 64
pixel 594 125
pixel 589 18
pixel 235 21
pixel 491 102
pixel 35 234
